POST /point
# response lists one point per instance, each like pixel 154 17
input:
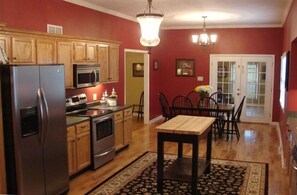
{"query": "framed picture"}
pixel 137 69
pixel 185 67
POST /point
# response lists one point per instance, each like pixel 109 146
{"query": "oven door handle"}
pixel 102 119
pixel 104 153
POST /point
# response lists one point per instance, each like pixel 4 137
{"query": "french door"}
pixel 245 75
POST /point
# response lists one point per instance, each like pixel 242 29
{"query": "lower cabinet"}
pixel 123 128
pixel 79 147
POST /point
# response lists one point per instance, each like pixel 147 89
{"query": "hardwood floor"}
pixel 258 143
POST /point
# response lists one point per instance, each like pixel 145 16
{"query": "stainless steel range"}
pixel 102 128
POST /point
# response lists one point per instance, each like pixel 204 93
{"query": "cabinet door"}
pixel 119 130
pixel 65 53
pixel 119 134
pixel 114 63
pixel 85 52
pixel 103 62
pixel 46 51
pixel 91 52
pixel 127 129
pixel 79 52
pixel 23 50
pixel 71 150
pixel 83 151
pixel 5 44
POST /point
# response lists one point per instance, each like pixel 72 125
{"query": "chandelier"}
pixel 204 39
pixel 149 24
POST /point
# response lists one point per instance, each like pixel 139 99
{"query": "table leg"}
pixel 228 125
pixel 160 163
pixel 180 150
pixel 195 165
pixel 208 150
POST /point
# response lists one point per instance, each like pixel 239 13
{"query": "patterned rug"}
pixel 226 177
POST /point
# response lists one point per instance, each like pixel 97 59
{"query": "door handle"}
pixel 46 114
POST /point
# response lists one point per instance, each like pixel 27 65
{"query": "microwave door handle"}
pixel 93 76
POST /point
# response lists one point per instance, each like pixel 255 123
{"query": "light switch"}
pixel 200 78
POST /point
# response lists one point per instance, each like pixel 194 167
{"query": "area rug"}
pixel 226 177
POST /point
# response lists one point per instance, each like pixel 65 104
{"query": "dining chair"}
pixel 138 108
pixel 218 96
pixel 194 97
pixel 166 111
pixel 235 119
pixel 182 105
pixel 207 106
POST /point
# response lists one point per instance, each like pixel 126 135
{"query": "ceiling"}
pixel 187 14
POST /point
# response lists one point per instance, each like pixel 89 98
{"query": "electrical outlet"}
pixel 94 96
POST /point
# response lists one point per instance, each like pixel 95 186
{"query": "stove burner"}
pixel 77 106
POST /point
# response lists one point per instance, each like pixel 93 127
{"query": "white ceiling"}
pixel 187 14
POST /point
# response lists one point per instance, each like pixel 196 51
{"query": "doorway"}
pixel 134 85
pixel 245 75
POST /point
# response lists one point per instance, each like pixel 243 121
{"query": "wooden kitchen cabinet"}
pixel 108 58
pixel 5 44
pixel 23 50
pixel 79 147
pixel 123 128
pixel 64 56
pixel 291 162
pixel 46 51
pixel 85 52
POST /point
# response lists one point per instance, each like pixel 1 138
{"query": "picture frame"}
pixel 138 69
pixel 185 67
pixel 155 65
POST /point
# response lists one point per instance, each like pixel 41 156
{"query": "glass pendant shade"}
pixel 150 25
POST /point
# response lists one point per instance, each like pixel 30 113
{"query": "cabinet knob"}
pixel 14 58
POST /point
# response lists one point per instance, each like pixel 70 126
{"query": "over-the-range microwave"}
pixel 86 75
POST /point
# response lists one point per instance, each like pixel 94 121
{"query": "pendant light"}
pixel 149 23
pixel 204 39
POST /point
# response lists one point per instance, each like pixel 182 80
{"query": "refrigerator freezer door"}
pixel 55 136
pixel 28 151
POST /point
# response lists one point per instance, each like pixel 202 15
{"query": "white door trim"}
pixel 146 77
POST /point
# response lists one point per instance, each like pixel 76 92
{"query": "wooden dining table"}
pixel 184 129
pixel 224 108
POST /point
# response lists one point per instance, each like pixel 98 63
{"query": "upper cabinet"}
pixel 64 55
pixel 85 52
pixel 46 51
pixel 23 50
pixel 5 44
pixel 108 58
pixel 114 62
pixel 24 47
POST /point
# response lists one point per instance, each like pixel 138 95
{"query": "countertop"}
pixel 72 120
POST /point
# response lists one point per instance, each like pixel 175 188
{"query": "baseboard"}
pixel 156 119
pixel 280 147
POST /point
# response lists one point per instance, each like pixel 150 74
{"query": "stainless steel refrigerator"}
pixel 34 127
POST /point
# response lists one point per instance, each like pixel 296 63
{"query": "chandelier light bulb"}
pixel 204 39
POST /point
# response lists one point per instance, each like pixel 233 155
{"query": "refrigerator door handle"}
pixel 45 122
pixel 40 107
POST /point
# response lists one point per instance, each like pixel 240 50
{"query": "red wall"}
pixel 77 21
pixel 177 44
pixel 83 22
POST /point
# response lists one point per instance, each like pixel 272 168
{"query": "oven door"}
pixel 103 140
